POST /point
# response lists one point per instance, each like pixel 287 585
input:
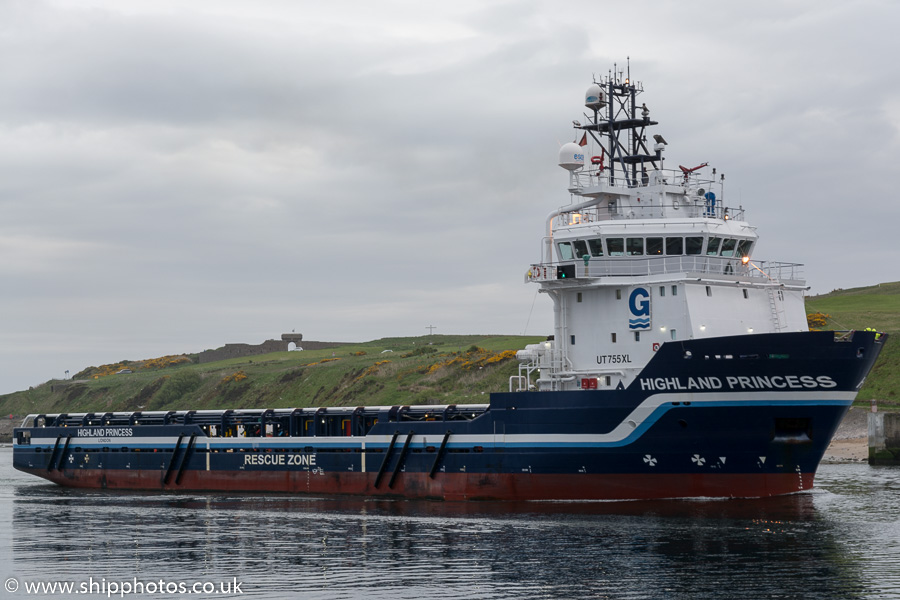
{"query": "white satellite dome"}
pixel 571 156
pixel 594 97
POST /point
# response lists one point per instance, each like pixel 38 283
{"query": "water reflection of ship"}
pixel 792 507
pixel 651 548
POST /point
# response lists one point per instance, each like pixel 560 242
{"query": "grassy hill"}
pixel 875 306
pixel 436 369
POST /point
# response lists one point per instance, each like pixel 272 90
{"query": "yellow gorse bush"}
pixel 817 320
pixel 155 364
pixel 372 369
pixel 236 376
pixel 474 358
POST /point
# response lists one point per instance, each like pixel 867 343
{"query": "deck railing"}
pixel 625 266
pixel 657 194
pixel 648 210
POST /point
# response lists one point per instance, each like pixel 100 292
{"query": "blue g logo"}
pixel 639 305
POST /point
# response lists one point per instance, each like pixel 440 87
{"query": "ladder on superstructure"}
pixel 776 313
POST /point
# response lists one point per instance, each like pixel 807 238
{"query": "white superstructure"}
pixel 644 255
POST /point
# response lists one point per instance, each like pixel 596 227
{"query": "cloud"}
pixel 176 176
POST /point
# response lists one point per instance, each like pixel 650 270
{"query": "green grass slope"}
pixel 436 369
pixel 878 307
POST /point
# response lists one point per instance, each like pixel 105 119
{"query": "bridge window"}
pixel 728 247
pixel 654 246
pixel 596 247
pixel 565 251
pixel 693 245
pixel 580 248
pixel 712 249
pixel 674 246
pixel 615 246
pixel 634 246
pixel 744 248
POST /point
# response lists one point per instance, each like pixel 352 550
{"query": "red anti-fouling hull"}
pixel 449 486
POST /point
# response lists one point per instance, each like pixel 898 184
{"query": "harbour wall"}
pixel 884 438
pixel 7 422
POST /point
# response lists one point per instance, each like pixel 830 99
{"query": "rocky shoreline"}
pixel 851 440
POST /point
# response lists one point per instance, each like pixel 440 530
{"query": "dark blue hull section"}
pixel 742 416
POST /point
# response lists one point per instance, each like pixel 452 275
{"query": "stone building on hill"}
pixel 283 345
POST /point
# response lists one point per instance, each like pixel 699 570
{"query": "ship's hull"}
pixel 457 486
pixel 753 419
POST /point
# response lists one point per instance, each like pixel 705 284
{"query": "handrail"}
pixel 660 193
pixel 672 209
pixel 628 266
pixel 658 177
pixel 522 383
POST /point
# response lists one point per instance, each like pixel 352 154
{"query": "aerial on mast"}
pixel 615 125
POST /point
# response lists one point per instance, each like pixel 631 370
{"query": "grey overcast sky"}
pixel 179 175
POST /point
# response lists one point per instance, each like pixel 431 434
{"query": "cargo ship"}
pixel 679 366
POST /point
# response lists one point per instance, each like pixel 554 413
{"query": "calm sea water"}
pixel 840 541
